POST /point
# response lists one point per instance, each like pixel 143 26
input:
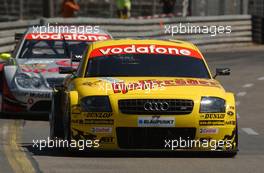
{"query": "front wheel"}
pixel 67 123
pixel 56 117
pixel 1 103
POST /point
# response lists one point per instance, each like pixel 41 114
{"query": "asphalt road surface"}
pixel 17 153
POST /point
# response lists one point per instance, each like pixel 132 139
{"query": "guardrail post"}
pixel 21 9
pixel 48 8
pixel 258 29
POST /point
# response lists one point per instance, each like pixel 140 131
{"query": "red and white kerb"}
pixel 145 49
pixel 67 36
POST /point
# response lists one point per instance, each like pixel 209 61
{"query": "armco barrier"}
pixel 8 30
pixel 241 26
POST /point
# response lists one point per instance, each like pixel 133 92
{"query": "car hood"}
pixel 48 68
pixel 148 86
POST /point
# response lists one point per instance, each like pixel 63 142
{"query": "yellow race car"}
pixel 145 95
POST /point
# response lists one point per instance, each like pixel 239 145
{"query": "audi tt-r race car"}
pixel 146 95
pixel 28 77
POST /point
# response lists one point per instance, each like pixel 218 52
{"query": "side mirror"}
pixel 76 58
pixel 222 72
pixel 5 56
pixel 18 36
pixel 66 70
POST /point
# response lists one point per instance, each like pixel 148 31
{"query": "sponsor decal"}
pixel 67 36
pixel 76 110
pixel 22 94
pixel 230 122
pixel 122 87
pixel 40 95
pixel 98 114
pixel 67 63
pixel 92 84
pixel 232 107
pixel 212 122
pixel 36 62
pixel 101 130
pixel 231 113
pixel 209 130
pixel 107 140
pixel 94 121
pixel 41 67
pixel 212 116
pixel 79 134
pixel 145 49
pixel 156 121
pixel 110 79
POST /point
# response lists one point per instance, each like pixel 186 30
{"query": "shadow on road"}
pixel 35 117
pixel 60 152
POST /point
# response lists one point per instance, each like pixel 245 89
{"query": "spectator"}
pixel 123 8
pixel 69 7
pixel 168 6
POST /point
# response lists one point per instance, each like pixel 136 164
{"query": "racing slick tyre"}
pixel 67 124
pixel 1 100
pixel 67 130
pixel 56 117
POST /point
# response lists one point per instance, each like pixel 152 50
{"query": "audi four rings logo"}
pixel 156 106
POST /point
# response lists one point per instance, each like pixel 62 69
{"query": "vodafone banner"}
pixel 67 36
pixel 145 49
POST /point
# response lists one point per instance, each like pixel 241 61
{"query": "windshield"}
pixel 53 49
pixel 141 65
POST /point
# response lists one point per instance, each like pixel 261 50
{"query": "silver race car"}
pixel 29 76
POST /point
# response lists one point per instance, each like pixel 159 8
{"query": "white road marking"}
pixel 250 131
pixel 237 103
pixel 261 78
pixel 241 94
pixel 248 85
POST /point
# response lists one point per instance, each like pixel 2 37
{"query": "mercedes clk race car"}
pixel 146 95
pixel 29 76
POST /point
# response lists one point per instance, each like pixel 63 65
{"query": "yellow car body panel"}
pixel 103 125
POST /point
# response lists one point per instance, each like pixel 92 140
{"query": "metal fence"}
pixel 31 9
pixel 256 8
pixel 241 34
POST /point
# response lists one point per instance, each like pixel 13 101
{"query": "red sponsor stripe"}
pixel 67 36
pixel 145 49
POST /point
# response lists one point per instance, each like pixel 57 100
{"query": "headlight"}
pixel 23 80
pixel 36 82
pixel 212 105
pixel 96 104
pixel 26 81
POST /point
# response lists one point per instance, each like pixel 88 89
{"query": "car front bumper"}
pixel 124 132
pixel 27 101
